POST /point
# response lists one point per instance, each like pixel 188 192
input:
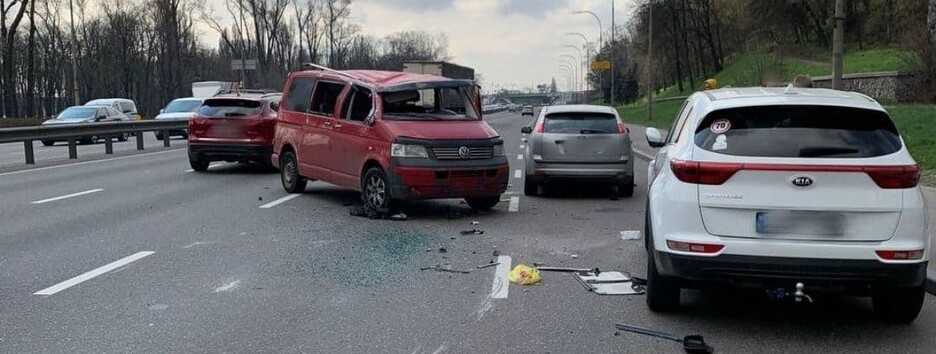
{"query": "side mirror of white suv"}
pixel 654 138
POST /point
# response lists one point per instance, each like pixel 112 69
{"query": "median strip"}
pixel 279 201
pixel 93 274
pixel 518 173
pixel 66 196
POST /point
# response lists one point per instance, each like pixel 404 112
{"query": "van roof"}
pixel 382 80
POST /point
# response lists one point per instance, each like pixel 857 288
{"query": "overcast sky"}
pixel 512 43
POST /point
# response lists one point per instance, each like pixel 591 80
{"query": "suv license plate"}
pixel 800 222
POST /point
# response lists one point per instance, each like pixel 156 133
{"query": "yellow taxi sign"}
pixel 599 65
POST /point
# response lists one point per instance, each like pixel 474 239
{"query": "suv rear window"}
pixel 221 108
pixel 798 131
pixel 581 123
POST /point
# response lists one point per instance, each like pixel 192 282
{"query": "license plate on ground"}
pixel 800 222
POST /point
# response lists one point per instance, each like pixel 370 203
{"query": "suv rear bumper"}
pixel 428 179
pixel 231 152
pixel 621 172
pixel 757 271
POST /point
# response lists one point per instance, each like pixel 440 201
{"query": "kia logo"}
pixel 802 181
pixel 464 152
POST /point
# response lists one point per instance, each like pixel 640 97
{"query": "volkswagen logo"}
pixel 464 152
pixel 802 181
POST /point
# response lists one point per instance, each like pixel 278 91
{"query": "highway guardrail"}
pixel 72 132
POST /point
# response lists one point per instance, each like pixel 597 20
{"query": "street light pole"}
pixel 74 54
pixel 613 78
pixel 838 39
pixel 577 67
pixel 599 48
pixel 584 59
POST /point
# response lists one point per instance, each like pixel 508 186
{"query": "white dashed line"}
pixel 630 235
pixel 514 204
pixel 280 201
pixel 501 284
pixel 518 173
pixel 522 147
pixel 92 274
pixel 66 196
pixel 520 157
pixel 227 287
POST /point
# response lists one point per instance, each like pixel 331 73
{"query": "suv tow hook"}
pixel 799 295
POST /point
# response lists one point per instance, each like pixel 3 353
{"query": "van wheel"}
pixel 289 174
pixel 199 165
pixel 483 203
pixel 48 143
pixel 662 292
pixel 898 305
pixel 530 188
pixel 375 189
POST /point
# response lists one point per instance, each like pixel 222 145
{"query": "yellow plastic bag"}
pixel 524 275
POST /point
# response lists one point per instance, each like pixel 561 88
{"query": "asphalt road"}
pixel 228 275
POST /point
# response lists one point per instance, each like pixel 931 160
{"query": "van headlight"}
pixel 405 150
pixel 499 150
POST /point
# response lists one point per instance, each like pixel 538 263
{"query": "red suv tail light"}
pixel 197 125
pixel 261 127
pixel 703 172
pixel 895 177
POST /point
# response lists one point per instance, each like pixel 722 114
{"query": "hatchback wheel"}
pixel 483 203
pixel 898 305
pixel 530 188
pixel 376 190
pixel 289 174
pixel 625 190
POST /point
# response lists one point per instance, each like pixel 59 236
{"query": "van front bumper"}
pixel 413 179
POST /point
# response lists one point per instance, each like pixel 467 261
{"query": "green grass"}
pixel 19 122
pixel 916 125
pixel 663 114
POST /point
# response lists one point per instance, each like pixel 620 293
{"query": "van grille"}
pixel 451 153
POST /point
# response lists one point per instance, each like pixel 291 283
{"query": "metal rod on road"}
pixel 72 148
pixel 838 39
pixel 30 156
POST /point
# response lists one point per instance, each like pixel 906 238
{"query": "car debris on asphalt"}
pixel 439 268
pixel 630 235
pixel 693 344
pixel 371 212
pixel 523 274
pixel 473 232
pixel 610 283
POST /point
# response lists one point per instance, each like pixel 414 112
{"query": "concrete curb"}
pixel 643 155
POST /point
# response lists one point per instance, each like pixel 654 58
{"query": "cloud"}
pixel 533 8
pixel 418 5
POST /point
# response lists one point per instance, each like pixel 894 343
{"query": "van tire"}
pixel 293 182
pixel 483 203
pixel 898 305
pixel 199 165
pixel 375 190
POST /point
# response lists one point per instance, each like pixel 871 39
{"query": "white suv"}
pixel 786 188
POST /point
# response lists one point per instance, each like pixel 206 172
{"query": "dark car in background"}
pixel 86 114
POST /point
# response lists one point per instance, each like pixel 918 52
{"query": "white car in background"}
pixel 180 109
pixel 790 190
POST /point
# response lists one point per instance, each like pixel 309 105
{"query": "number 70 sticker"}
pixel 720 126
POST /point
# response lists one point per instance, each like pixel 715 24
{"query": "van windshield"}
pixel 441 103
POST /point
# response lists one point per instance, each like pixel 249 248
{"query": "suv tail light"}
pixel 693 247
pixel 716 173
pixel 197 125
pixel 900 255
pixel 623 128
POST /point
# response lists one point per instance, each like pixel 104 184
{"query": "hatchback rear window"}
pixel 581 123
pixel 798 131
pixel 221 108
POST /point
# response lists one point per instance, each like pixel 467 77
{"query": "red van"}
pixel 391 135
pixel 233 128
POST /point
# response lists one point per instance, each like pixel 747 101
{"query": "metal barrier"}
pixel 73 132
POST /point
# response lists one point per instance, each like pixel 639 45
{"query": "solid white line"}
pixel 88 162
pixel 520 157
pixel 66 196
pixel 514 204
pixel 501 284
pixel 644 155
pixel 280 201
pixel 517 173
pixel 92 274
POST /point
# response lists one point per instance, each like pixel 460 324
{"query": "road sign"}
pixel 599 65
pixel 249 64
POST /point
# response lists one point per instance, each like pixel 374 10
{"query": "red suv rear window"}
pixel 230 108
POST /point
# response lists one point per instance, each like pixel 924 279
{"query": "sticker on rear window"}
pixel 721 142
pixel 720 126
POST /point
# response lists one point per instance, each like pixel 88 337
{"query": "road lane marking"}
pixel 501 284
pixel 644 155
pixel 517 173
pixel 196 243
pixel 522 147
pixel 520 157
pixel 514 204
pixel 441 349
pixel 227 287
pixel 630 235
pixel 88 162
pixel 280 201
pixel 66 196
pixel 94 273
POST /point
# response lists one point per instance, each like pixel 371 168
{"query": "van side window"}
pixel 358 105
pixel 325 97
pixel 299 94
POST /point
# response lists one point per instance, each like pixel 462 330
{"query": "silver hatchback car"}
pixel 579 142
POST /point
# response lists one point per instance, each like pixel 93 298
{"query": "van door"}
pixel 351 138
pixel 318 131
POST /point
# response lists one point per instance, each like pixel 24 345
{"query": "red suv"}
pixel 391 135
pixel 233 128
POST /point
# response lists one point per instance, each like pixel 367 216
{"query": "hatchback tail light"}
pixel 623 128
pixel 716 173
pixel 540 126
pixel 693 247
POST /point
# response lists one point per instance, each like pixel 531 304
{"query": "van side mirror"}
pixel 655 138
pixel 526 130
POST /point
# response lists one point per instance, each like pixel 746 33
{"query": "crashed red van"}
pixel 390 135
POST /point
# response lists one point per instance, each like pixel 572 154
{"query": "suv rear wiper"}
pixel 818 151
pixel 591 131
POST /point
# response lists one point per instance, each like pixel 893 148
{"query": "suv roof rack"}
pixel 308 66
